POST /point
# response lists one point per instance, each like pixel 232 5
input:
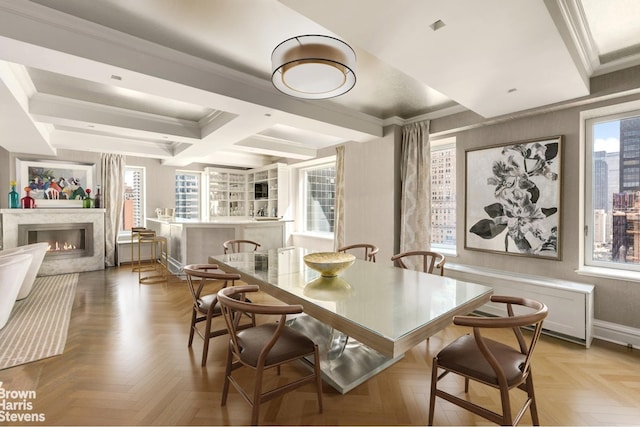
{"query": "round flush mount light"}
pixel 313 67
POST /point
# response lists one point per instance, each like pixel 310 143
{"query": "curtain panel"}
pixel 415 163
pixel 112 177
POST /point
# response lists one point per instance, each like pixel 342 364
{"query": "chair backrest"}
pixel 368 249
pixel 198 274
pixel 235 246
pixel 429 261
pixel 234 305
pixel 535 315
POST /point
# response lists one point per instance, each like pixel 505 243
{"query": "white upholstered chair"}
pixel 13 268
pixel 38 250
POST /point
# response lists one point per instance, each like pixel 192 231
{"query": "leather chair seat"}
pixel 463 356
pixel 290 345
pixel 205 302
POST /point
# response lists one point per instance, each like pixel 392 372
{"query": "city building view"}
pixel 616 194
pixel 443 197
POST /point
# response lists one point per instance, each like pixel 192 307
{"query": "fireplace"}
pixel 79 234
pixel 65 240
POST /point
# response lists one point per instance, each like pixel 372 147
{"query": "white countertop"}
pixel 221 221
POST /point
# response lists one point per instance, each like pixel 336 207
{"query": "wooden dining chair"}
pixel 269 345
pixel 367 249
pixel 428 259
pixel 235 246
pixel 495 364
pixel 205 307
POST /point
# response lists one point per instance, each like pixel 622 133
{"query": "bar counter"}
pixel 193 241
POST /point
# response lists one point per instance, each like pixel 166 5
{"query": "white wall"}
pixel 369 194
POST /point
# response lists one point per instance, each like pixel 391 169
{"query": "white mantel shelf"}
pixel 11 218
pixel 50 211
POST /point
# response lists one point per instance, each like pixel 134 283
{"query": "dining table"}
pixel 364 319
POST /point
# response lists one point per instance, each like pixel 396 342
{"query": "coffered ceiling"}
pixel 188 81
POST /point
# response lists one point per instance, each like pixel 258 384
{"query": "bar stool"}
pixel 135 234
pixel 143 242
pixel 158 270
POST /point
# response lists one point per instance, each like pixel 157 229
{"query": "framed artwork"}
pixel 513 194
pixel 55 184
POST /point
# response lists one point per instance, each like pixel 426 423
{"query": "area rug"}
pixel 37 327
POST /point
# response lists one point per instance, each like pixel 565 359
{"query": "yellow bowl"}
pixel 329 264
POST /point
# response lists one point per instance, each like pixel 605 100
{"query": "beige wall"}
pixel 615 300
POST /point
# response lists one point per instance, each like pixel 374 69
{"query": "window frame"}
pixel 298 183
pixel 142 190
pixel 438 145
pixel 304 191
pixel 586 265
pixel 199 182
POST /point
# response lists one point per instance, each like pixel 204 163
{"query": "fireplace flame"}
pixel 56 246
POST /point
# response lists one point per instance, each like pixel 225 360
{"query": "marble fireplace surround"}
pixel 11 218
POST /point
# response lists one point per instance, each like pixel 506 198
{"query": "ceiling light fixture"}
pixel 313 67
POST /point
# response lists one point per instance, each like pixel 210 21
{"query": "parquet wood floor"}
pixel 126 362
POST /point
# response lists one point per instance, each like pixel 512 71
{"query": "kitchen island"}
pixel 193 241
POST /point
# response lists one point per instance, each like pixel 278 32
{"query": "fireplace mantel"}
pixel 11 218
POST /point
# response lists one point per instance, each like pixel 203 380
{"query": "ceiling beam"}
pixel 40 37
pixel 72 112
pixel 20 133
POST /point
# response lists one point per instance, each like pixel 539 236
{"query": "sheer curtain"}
pixel 416 187
pixel 112 193
pixel 338 231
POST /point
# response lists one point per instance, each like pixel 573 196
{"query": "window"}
pixel 187 195
pixel 612 199
pixel 319 194
pixel 133 206
pixel 443 195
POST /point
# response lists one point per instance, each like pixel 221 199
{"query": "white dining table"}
pixel 365 319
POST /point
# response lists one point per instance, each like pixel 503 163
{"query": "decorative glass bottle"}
pixel 97 201
pixel 27 202
pixel 14 197
pixel 87 202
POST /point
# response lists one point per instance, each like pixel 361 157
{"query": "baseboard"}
pixel 616 333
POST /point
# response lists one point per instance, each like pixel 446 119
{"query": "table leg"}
pixel 345 363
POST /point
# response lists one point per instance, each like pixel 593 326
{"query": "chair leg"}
pixel 227 374
pixel 207 338
pixel 507 418
pixel 533 408
pixel 257 391
pixel 193 325
pixel 434 382
pixel 316 367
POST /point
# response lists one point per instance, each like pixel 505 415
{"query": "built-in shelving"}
pixel 253 193
pixel 227 192
pixel 267 200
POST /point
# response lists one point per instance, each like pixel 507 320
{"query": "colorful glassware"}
pixel 14 197
pixel 87 202
pixel 27 202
